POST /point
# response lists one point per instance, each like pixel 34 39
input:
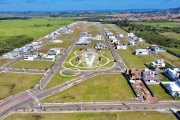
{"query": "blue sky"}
pixel 57 5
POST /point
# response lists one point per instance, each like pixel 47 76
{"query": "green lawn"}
pixel 59 79
pixel 76 48
pixel 164 78
pixel 33 65
pixel 160 92
pixel 96 116
pixel 160 24
pixel 171 35
pixel 10 28
pixel 99 88
pixel 4 61
pixel 12 83
pixel 170 58
pixel 123 41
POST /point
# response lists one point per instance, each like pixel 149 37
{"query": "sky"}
pixel 60 5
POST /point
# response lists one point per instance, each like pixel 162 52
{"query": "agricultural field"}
pixel 96 116
pixel 59 79
pixel 4 61
pixel 170 58
pixel 99 88
pixel 132 61
pixel 39 65
pixel 160 93
pixel 160 24
pixel 12 83
pixel 33 27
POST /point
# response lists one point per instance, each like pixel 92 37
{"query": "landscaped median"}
pixel 104 87
pixel 96 116
pixel 13 83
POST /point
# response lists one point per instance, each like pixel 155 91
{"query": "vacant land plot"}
pixel 160 24
pixel 99 88
pixel 40 65
pixel 33 28
pixel 93 29
pixel 68 38
pixel 12 83
pixel 164 78
pixel 144 44
pixel 171 35
pixel 160 92
pixel 59 79
pixel 96 116
pixel 120 30
pixel 170 58
pixel 133 61
pixel 123 41
pixel 4 61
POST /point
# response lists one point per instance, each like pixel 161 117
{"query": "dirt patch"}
pixel 12 86
pixel 89 31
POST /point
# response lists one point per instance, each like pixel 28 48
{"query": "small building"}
pixel 112 37
pixel 149 75
pixel 100 46
pixel 98 37
pixel 52 53
pixel 174 88
pixel 158 64
pixel 98 50
pixel 172 73
pixel 83 41
pixel 28 57
pixel 36 43
pixel 121 47
pixel 120 35
pixel 115 41
pixel 131 42
pixel 131 35
pixel 141 52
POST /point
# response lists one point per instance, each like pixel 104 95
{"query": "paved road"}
pixel 113 51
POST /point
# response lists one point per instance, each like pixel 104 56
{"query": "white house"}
pixel 98 37
pixel 28 57
pixel 131 42
pixel 149 75
pixel 121 47
pixel 141 52
pixel 115 41
pixel 112 37
pixel 120 35
pixel 158 63
pixel 173 73
pixel 174 88
pixel 131 35
pixel 36 43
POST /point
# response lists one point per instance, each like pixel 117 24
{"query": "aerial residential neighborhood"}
pixel 83 64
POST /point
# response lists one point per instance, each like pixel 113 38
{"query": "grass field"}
pixel 160 24
pixel 160 92
pixel 33 28
pixel 170 58
pixel 12 83
pixel 4 61
pixel 99 88
pixel 133 61
pixel 123 41
pixel 96 116
pixel 33 65
pixel 171 35
pixel 164 78
pixel 59 79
